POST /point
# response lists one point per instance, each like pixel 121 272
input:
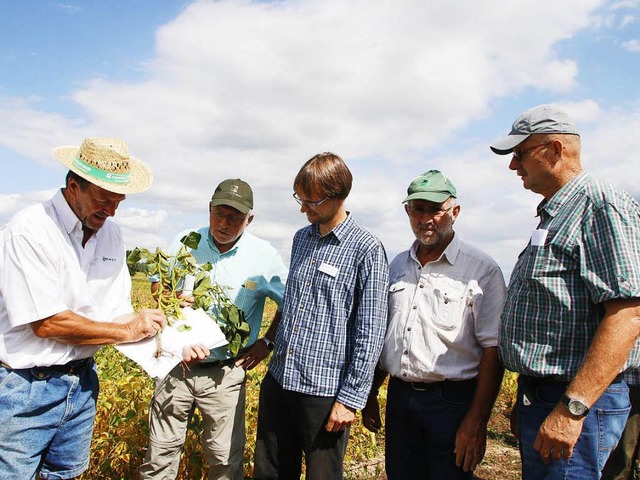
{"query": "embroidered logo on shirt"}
pixel 109 259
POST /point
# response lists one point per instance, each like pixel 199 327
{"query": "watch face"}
pixel 577 408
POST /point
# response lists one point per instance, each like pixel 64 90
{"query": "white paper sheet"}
pixel 203 330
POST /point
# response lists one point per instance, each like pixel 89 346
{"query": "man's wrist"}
pixel 268 343
pixel 576 407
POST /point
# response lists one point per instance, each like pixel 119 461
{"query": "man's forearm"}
pixel 379 376
pixel 273 328
pixel 74 329
pixel 609 350
pixel 490 374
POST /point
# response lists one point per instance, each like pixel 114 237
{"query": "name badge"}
pixel 328 269
pixel 538 237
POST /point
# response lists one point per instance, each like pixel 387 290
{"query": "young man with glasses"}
pixel 441 343
pixel 572 313
pixel 330 334
pixel 251 270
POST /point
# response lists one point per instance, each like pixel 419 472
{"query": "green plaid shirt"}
pixel 554 303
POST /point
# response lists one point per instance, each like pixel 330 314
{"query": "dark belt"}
pixel 69 368
pixel 425 386
pixel 215 363
pixel 553 380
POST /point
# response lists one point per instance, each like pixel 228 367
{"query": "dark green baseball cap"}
pixel 234 193
pixel 432 186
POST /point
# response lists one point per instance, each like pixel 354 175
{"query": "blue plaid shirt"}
pixel 334 315
pixel 591 254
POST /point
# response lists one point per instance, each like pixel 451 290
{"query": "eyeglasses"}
pixel 309 204
pixel 432 211
pixel 519 154
pixel 231 219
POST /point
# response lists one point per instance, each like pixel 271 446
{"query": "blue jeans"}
pixel 46 422
pixel 601 430
pixel 421 425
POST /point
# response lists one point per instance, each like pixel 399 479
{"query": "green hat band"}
pixel 100 174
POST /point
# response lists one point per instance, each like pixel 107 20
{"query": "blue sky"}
pixel 204 91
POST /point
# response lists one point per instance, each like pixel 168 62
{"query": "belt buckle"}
pixel 419 387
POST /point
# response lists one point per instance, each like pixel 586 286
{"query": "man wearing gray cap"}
pixel 572 313
pixel 441 342
pixel 250 270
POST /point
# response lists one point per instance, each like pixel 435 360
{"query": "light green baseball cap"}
pixel 432 186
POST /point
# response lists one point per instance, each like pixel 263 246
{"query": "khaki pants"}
pixel 219 394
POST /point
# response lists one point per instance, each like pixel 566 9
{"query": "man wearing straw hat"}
pixel 64 292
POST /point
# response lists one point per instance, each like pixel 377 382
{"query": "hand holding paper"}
pixel 195 327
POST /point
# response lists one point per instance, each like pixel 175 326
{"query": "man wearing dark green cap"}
pixel 251 270
pixel 440 347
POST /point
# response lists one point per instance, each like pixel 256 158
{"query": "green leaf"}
pixel 191 240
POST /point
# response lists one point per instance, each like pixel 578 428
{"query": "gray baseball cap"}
pixel 540 119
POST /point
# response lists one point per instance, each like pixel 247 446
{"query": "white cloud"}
pixel 252 90
pixel 632 45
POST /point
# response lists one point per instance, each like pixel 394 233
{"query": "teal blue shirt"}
pixel 251 272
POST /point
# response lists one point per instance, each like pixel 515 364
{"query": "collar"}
pixel 67 218
pixel 232 250
pixel 449 254
pixel 340 231
pixel 573 186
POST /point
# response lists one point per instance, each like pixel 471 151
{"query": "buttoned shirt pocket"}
pixel 397 298
pixel 450 302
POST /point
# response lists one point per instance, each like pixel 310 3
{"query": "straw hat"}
pixel 105 162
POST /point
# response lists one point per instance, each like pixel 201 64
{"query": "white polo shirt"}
pixel 442 314
pixel 44 270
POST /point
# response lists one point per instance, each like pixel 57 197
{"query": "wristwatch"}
pixel 269 343
pixel 576 407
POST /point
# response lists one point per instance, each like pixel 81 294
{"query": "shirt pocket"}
pixel 397 298
pixel 450 303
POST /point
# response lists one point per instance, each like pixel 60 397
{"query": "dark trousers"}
pixel 624 462
pixel 290 423
pixel 421 425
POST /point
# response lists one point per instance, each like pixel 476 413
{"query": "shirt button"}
pixel 421 286
pixel 415 306
pixel 291 351
pixel 406 352
pixel 404 374
pixel 408 329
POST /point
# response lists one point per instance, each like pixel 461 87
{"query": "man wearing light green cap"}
pixel 440 347
pixel 572 313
